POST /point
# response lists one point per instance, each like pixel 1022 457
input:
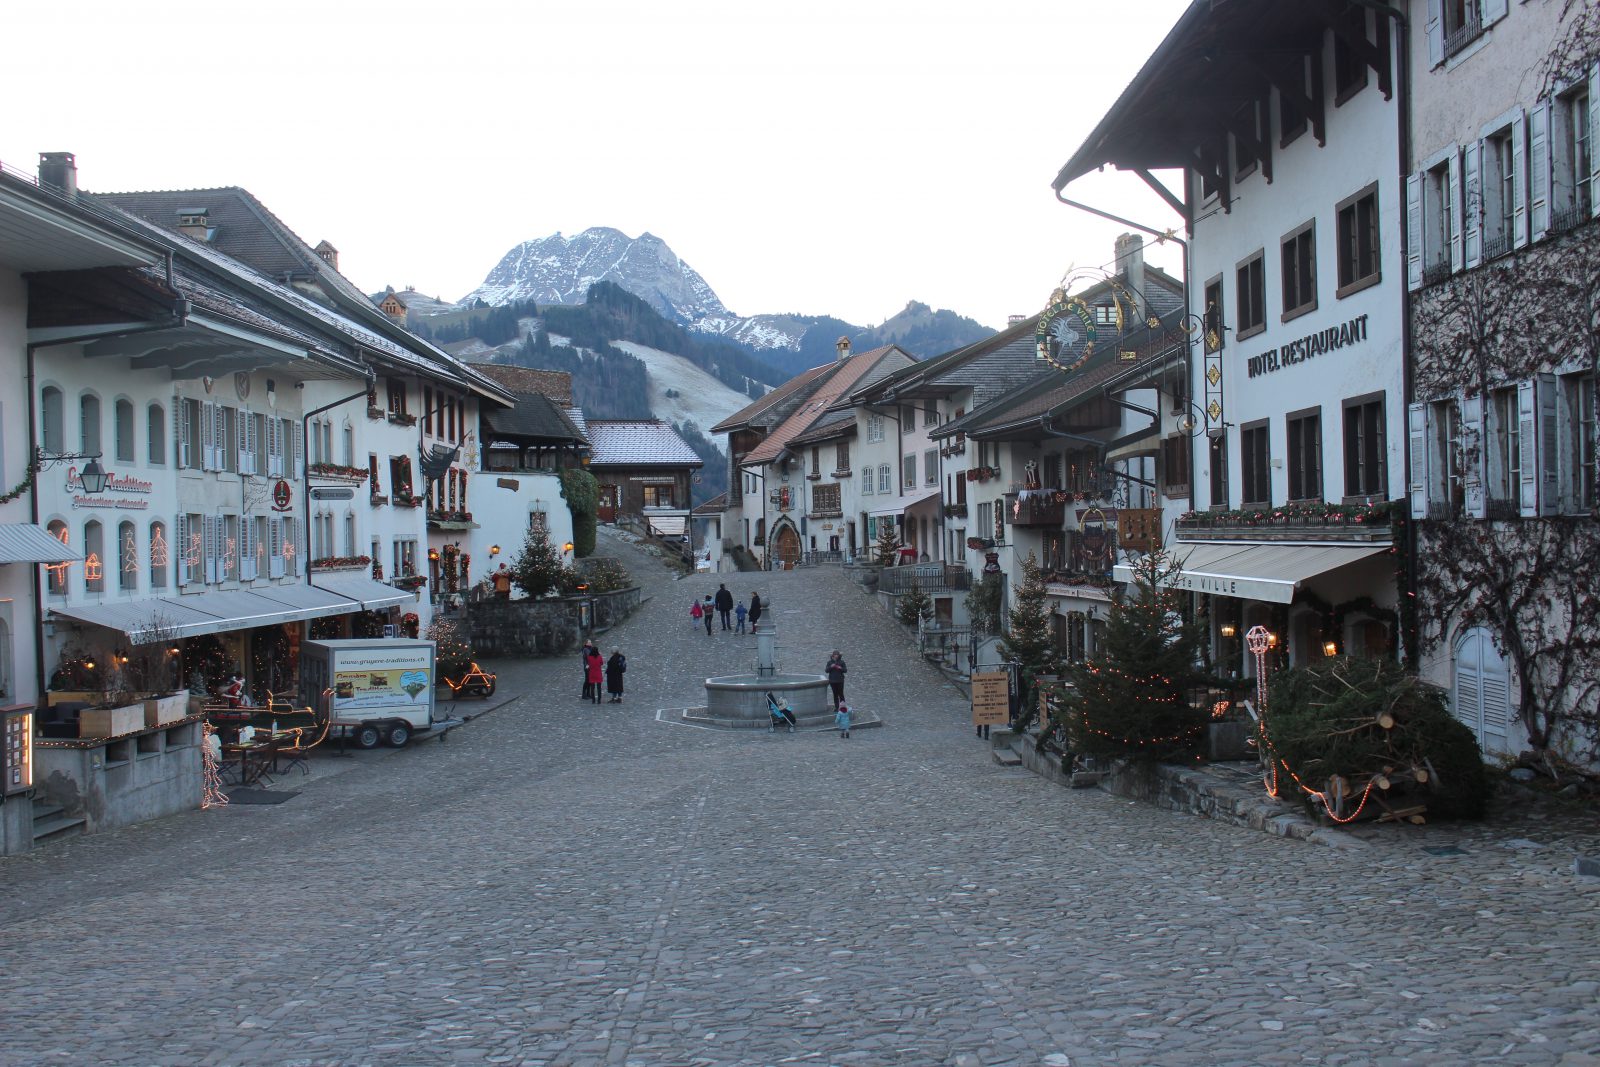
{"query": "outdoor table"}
pixel 253 761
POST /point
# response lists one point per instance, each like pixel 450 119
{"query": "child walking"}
pixel 739 613
pixel 695 611
pixel 841 719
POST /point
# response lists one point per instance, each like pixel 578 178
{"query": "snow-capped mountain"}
pixel 560 270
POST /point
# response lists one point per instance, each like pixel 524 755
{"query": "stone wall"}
pixel 543 627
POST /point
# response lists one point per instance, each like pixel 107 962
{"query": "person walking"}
pixel 616 666
pixel 695 611
pixel 739 613
pixel 594 667
pixel 841 719
pixel 724 606
pixel 755 610
pixel 835 671
pixel 707 610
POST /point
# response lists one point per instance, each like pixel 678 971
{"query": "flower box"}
pixel 402 418
pixel 378 499
pixel 110 721
pixel 374 412
pixel 170 707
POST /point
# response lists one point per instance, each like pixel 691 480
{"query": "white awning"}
pixel 669 527
pixel 907 502
pixel 1270 572
pixel 216 611
pixel 25 542
pixel 1148 445
pixel 370 595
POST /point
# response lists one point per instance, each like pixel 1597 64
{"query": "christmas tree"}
pixel 914 604
pixel 1028 640
pixel 887 548
pixel 539 568
pixel 452 651
pixel 1132 700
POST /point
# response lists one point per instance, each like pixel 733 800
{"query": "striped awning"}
pixel 26 542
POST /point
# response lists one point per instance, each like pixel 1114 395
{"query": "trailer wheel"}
pixel 366 736
pixel 399 734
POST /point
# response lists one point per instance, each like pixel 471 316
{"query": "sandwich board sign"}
pixel 991 698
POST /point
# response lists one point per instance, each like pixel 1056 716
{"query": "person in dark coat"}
pixel 724 606
pixel 595 665
pixel 616 666
pixel 755 610
pixel 835 671
pixel 708 609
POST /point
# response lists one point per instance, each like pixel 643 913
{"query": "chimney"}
pixel 328 254
pixel 1130 265
pixel 58 172
pixel 195 223
pixel 843 345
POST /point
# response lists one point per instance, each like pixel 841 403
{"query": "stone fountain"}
pixel 741 699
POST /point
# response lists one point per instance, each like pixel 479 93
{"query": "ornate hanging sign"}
pixel 282 496
pixel 1066 335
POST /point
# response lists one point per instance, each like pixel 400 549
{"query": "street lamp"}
pixel 92 477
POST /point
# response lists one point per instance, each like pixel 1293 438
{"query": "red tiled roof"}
pixel 844 375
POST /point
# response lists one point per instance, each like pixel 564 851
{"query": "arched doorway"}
pixel 1481 696
pixel 785 547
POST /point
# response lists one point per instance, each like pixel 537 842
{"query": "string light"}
pixel 91 567
pixel 158 548
pixel 130 554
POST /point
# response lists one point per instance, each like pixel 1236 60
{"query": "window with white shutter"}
pixel 275 547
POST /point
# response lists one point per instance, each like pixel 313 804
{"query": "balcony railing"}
pixel 929 577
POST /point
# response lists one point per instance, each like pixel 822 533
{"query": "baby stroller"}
pixel 781 715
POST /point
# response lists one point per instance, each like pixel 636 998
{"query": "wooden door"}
pixel 786 547
pixel 607 509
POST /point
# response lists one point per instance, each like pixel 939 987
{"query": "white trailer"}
pixel 377 689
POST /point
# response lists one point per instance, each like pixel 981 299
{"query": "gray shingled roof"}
pixel 533 415
pixel 638 443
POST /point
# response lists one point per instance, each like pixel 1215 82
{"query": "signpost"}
pixel 991 698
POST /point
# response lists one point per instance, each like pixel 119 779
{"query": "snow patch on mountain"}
pixel 699 398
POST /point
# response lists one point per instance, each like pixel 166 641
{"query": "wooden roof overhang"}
pixel 1191 94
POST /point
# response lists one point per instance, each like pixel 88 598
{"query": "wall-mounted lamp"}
pixel 1330 648
pixel 1272 640
pixel 433 555
pixel 92 477
pixel 567 547
pixel 1227 629
pixel 494 550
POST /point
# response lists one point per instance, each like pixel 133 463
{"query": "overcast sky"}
pixel 821 157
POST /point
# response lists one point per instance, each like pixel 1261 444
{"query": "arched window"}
pixel 56 573
pixel 158 435
pixel 89 424
pixel 94 554
pixel 52 427
pixel 866 481
pixel 883 479
pixel 160 552
pixel 124 421
pixel 127 549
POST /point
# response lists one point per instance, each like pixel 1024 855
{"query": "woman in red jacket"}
pixel 594 668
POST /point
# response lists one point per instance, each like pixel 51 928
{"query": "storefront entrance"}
pixel 785 547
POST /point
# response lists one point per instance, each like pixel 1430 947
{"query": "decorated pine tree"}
pixel 914 605
pixel 1132 700
pixel 1028 639
pixel 452 650
pixel 539 569
pixel 887 548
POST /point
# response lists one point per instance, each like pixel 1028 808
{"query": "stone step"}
pixel 56 826
pixel 1007 758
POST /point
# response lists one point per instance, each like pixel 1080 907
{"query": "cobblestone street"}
pixel 566 883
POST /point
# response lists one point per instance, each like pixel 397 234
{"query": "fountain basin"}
pixel 743 697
